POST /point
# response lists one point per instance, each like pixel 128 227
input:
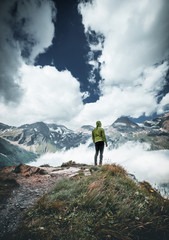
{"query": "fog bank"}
pixel 152 166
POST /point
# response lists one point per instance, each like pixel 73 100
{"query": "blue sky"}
pixel 70 48
pixel 74 62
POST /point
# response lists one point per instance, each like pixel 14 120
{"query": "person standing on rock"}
pixel 99 138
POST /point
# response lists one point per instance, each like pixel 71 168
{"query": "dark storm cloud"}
pixel 10 58
pixel 26 30
pixel 162 26
pixel 10 91
pixel 32 26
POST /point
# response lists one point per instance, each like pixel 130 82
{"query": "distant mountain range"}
pixel 25 143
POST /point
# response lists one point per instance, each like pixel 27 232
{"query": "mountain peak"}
pixel 34 125
pixel 87 127
pixel 38 127
pixel 124 123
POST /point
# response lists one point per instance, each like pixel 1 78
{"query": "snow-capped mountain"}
pixel 64 138
pixel 161 123
pixel 155 132
pixel 40 137
pixel 124 124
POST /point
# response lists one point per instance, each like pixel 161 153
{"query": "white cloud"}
pixel 153 79
pixel 127 33
pixel 35 20
pixel 152 166
pixel 132 32
pixel 85 95
pixel 135 38
pixel 82 154
pixel 131 100
pixel 92 78
pixel 164 104
pixel 50 95
pixel 32 93
pixel 26 28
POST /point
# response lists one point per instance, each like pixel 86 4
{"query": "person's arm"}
pixel 104 137
pixel 93 137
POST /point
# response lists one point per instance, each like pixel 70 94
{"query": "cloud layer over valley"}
pixel 152 166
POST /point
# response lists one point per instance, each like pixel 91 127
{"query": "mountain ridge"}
pixel 41 137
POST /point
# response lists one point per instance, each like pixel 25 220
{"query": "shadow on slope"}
pixel 13 155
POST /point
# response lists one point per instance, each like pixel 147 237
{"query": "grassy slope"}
pixel 105 205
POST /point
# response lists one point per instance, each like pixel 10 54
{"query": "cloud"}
pixel 85 95
pixel 135 37
pixel 152 166
pixel 82 154
pixel 164 104
pixel 133 100
pixel 126 40
pixel 22 38
pixel 10 90
pixel 33 26
pixel 32 93
pixel 50 95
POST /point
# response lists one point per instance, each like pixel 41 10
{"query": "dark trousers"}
pixel 99 146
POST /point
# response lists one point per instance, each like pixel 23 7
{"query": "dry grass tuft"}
pixel 114 169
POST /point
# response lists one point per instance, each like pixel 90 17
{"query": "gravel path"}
pixel 31 188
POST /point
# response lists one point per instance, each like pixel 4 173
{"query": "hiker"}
pixel 99 138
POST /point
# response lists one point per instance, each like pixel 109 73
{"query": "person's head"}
pixel 98 124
